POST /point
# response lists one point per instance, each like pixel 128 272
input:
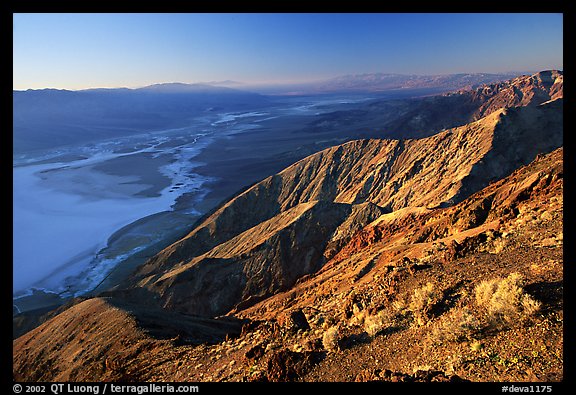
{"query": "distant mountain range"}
pixel 49 118
pixel 178 87
pixel 424 116
pixel 381 82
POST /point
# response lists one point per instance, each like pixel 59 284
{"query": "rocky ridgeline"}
pixel 425 116
pixel 359 262
pixel 288 225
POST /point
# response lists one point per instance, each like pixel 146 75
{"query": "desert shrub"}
pixel 400 305
pixel 497 246
pixel 499 303
pixel 374 324
pixel 458 325
pixel 358 316
pixel 504 301
pixel 422 301
pixel 331 339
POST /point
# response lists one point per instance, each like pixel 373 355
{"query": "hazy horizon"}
pixel 246 85
pixel 84 51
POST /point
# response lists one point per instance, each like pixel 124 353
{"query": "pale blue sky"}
pixel 75 51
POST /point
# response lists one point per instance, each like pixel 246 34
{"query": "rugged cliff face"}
pixel 522 91
pixel 286 226
pixel 360 262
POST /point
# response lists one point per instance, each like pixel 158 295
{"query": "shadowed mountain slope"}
pixel 111 340
pixel 269 243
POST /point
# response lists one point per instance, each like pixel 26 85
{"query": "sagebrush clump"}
pixel 422 301
pixel 497 304
pixel 331 339
pixel 504 301
pixel 458 325
pixel 374 324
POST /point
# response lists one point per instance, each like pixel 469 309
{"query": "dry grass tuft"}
pixel 422 301
pixel 504 301
pixel 331 339
pixel 374 324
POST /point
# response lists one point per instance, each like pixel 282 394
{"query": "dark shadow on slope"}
pixel 357 339
pixel 24 322
pixel 182 329
pixel 354 339
pixel 551 294
pixel 288 366
pixel 450 297
pixel 517 141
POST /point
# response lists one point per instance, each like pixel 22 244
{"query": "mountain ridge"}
pixel 51 118
pixel 425 116
pixel 384 81
pixel 384 173
pixel 359 262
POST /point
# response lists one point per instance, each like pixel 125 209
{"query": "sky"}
pixel 78 51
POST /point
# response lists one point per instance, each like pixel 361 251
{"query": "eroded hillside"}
pixel 284 227
pixel 433 259
pixel 398 303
